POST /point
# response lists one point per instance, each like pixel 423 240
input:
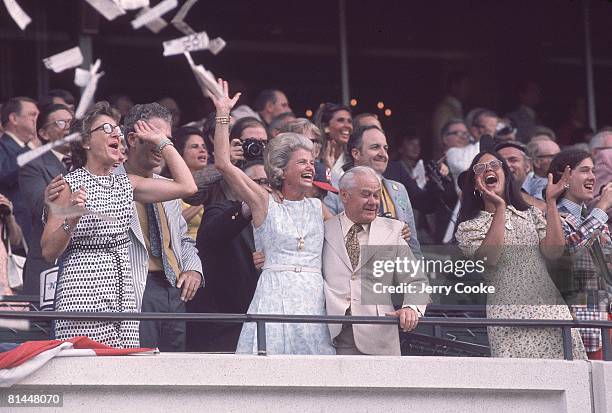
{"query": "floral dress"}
pixel 291 282
pixel 523 287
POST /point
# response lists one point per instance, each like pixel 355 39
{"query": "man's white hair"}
pixel 597 141
pixel 347 181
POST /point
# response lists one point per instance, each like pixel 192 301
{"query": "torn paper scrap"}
pixel 178 20
pixel 90 89
pixel 107 8
pixel 74 211
pixel 156 25
pixel 19 16
pixel 157 11
pixel 81 77
pixel 216 45
pixel 191 43
pixel 205 78
pixel 132 4
pixel 29 156
pixel 64 60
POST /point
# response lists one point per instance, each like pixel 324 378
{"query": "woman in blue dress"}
pixel 289 234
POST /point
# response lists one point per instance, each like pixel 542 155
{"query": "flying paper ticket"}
pixel 191 43
pixel 178 20
pixel 90 89
pixel 29 156
pixel 19 16
pixel 132 4
pixel 205 78
pixel 64 60
pixel 157 11
pixel 107 8
pixel 216 45
pixel 77 211
pixel 156 25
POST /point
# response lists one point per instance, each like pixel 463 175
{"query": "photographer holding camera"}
pixel 248 138
pixel 11 233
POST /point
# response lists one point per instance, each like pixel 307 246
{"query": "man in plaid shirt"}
pixel 588 243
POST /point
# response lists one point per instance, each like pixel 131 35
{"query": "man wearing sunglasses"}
pixel 52 125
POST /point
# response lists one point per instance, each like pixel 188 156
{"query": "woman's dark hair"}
pixel 323 116
pixel 567 157
pixel 472 202
pixel 242 124
pixel 83 126
pixel 181 136
pixel 43 117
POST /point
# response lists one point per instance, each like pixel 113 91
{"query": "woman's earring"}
pixel 477 193
pixel 326 130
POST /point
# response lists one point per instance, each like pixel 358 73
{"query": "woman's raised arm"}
pixel 246 189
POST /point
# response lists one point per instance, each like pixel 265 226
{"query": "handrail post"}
pixel 261 338
pixel 605 336
pixel 567 343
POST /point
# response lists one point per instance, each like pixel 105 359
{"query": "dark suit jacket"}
pixel 430 199
pixel 9 182
pixel 33 178
pixel 225 245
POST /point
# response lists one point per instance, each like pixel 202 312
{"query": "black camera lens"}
pixel 253 149
pixel 4 211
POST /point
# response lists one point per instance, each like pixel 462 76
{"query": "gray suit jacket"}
pixel 343 284
pixel 182 245
pixel 402 204
pixel 33 178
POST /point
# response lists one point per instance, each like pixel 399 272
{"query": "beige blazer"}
pixel 343 285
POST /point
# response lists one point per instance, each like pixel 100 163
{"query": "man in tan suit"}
pixel 344 269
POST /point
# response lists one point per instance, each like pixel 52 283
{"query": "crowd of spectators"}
pixel 256 210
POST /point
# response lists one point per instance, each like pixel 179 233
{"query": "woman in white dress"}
pixel 289 234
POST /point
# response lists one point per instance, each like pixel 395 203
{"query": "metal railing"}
pixel 261 320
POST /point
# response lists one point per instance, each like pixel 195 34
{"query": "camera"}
pixel 433 173
pixel 253 149
pixel 4 211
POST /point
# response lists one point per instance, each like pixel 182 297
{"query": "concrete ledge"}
pixel 602 386
pixel 172 382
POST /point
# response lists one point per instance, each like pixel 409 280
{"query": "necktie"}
pixel 584 212
pixel 67 161
pixel 352 244
pixel 154 237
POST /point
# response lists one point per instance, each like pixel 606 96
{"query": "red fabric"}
pixel 30 349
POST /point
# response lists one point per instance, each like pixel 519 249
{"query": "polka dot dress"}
pixel 94 273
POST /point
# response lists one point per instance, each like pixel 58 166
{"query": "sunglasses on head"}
pixel 493 165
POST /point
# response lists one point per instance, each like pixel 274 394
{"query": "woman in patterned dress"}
pixel 289 234
pixel 94 271
pixel 496 224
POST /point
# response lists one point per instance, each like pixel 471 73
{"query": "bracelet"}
pixel 163 144
pixel 66 227
pixel 224 120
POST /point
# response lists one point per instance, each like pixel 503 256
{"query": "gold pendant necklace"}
pixel 301 241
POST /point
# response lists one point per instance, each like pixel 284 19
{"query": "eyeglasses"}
pixel 108 129
pixel 262 181
pixel 493 165
pixel 60 123
pixel 458 133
